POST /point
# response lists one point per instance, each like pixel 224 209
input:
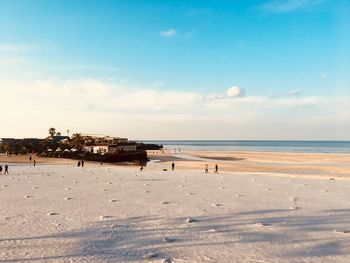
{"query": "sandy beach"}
pixel 261 207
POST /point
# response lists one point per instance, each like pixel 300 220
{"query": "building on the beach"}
pixel 103 144
pixel 122 147
pixel 98 149
pixel 100 139
pixel 57 138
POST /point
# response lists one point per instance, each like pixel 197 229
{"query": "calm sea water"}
pixel 270 146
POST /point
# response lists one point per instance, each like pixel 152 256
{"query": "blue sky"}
pixel 276 52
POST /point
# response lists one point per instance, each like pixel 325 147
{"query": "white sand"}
pixel 62 213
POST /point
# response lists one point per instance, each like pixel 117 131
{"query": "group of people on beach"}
pixel 206 169
pixel 81 162
pixel 6 169
pixel 30 160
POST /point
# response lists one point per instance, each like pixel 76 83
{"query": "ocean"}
pixel 267 146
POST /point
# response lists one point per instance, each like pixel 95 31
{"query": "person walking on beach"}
pixel 173 166
pixel 141 168
pixel 82 163
pixel 216 169
pixel 0 169
pixel 34 162
pixel 30 158
pixel 206 168
pixel 79 164
pixel 6 169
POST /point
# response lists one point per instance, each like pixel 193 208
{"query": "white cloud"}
pixel 234 92
pixel 98 106
pixel 325 75
pixel 168 33
pixel 15 48
pixel 294 93
pixel 91 68
pixel 284 6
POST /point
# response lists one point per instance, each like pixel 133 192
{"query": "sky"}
pixel 225 69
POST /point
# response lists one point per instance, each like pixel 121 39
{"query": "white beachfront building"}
pixel 102 144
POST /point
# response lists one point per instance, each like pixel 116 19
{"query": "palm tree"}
pixel 77 141
pixel 52 132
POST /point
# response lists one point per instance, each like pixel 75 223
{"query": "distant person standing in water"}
pixel 206 168
pixel 6 169
pixel 173 166
pixel 216 169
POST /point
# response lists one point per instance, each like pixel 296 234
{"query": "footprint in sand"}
pixel 239 195
pixel 262 224
pixel 169 239
pixel 103 190
pixel 109 183
pixel 67 189
pixel 190 220
pixel 113 200
pixel 216 204
pixel 5 185
pixel 190 193
pixel 35 187
pixel 147 192
pixel 150 255
pixel 341 231
pixel 28 196
pixel 75 182
pixel 52 214
pixel 68 198
pixel 165 202
pixel 294 207
pixel 105 217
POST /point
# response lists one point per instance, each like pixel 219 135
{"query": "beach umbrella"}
pixel 49 150
pixel 58 149
pixel 73 150
pixel 66 150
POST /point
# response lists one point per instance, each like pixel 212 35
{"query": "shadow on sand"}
pixel 287 237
